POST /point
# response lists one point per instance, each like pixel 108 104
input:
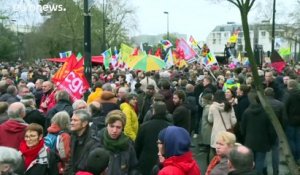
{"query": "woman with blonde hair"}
pixel 225 141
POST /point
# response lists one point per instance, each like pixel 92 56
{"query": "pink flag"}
pixel 188 52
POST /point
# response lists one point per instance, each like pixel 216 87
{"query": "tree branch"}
pixel 251 4
pixel 236 4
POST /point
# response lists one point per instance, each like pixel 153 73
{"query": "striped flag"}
pixel 65 54
pixel 166 44
pixel 169 59
pixel 193 41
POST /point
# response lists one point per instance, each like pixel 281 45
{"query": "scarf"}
pixel 30 154
pixel 115 145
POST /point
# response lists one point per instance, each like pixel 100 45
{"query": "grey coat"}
pixel 206 126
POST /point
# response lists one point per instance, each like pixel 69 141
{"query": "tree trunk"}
pixel 258 85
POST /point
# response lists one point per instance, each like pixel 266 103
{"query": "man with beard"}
pixel 181 114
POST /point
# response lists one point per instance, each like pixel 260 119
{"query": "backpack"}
pixel 51 140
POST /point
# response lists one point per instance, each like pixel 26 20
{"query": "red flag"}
pixel 277 62
pixel 158 52
pixel 75 84
pixel 65 69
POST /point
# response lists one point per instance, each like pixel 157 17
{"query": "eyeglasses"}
pixel 30 136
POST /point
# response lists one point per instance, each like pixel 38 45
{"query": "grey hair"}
pixel 11 157
pixel 16 110
pixel 83 115
pixel 62 119
pixel 107 87
pixel 62 95
pixel 77 103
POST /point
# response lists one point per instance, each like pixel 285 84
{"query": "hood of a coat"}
pixel 220 106
pixel 184 162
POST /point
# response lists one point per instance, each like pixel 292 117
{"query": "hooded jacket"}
pixel 179 159
pixel 132 123
pixel 12 133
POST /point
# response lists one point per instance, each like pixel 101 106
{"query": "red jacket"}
pixel 180 165
pixel 49 98
pixel 12 133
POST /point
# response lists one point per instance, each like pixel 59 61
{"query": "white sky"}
pixel 194 17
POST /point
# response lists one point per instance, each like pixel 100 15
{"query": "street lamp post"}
pixel 103 28
pixel 167 13
pixel 273 26
pixel 18 37
pixel 87 43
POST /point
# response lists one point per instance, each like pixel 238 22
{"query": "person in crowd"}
pixel 174 152
pixel 270 82
pixel 63 103
pixel 11 95
pixel 33 115
pixel 132 124
pixel 230 95
pixel 108 102
pixel 230 83
pixel 97 92
pixel 121 95
pixel 258 131
pixel 38 93
pixel 293 118
pixel 221 115
pixel 12 131
pixel 123 159
pixel 48 98
pixel 146 81
pixel 225 141
pixel 10 161
pixel 3 112
pixel 98 120
pixel 82 142
pixel 208 86
pixel 22 91
pixel 241 106
pixel 79 104
pixel 38 158
pixel 206 126
pixel 146 102
pixel 193 107
pixel 241 161
pixel 97 162
pixel 60 126
pixel 279 110
pixel 181 114
pixel 145 143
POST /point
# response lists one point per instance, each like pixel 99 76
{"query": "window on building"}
pixel 214 41
pixel 222 29
pixel 263 33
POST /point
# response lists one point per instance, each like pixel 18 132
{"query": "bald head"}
pixel 241 158
pixel 16 110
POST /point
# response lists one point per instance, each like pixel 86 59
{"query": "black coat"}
pixel 292 105
pixel 34 116
pixel 107 107
pixel 80 148
pixel 145 144
pixel 182 117
pixel 257 129
pixel 46 169
pixel 61 105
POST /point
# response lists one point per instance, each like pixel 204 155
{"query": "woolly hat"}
pixel 176 141
pixel 97 160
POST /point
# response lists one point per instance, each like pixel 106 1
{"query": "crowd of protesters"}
pixel 136 122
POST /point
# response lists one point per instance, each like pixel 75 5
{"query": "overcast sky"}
pixel 194 17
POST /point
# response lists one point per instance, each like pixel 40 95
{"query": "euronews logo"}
pixel 46 8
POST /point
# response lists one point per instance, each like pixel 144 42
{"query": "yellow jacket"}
pixel 95 95
pixel 132 124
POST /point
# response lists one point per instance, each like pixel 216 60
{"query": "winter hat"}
pixel 97 160
pixel 176 141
